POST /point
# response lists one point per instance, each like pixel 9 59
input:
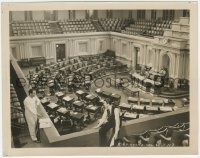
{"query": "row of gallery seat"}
pixel 30 28
pixel 126 26
pixel 166 136
pixel 18 122
pixel 148 28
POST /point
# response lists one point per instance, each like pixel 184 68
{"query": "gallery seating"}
pixel 29 28
pixel 115 24
pixel 77 26
pixel 148 28
pixel 169 135
pixel 18 122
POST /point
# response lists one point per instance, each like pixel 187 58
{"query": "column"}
pixel 145 55
pixel 120 48
pixel 177 65
pixel 174 66
pixel 154 59
pixel 181 66
pixel 21 50
pixel 134 57
pixel 159 60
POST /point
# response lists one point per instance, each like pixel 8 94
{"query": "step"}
pixel 174 97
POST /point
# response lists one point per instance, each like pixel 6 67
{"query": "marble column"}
pixel 173 67
pixel 154 59
pixel 177 65
pixel 21 50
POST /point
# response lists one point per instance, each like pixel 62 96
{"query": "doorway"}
pixel 60 51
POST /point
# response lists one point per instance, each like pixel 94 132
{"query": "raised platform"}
pixel 173 93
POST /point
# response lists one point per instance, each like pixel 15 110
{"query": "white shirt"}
pixel 31 104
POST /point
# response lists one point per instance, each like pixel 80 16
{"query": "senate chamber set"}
pixel 99 78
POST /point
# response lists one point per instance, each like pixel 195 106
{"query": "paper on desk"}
pixel 45 123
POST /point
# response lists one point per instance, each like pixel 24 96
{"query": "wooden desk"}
pixel 59 95
pixel 91 98
pixel 45 101
pixel 78 105
pixel 153 109
pixel 68 100
pixel 78 118
pixel 106 94
pixel 166 109
pixel 115 97
pixel 169 102
pixel 80 94
pixel 92 109
pixel 52 107
pixel 158 102
pixel 130 116
pixel 125 106
pixel 145 101
pixel 98 91
pixel 62 111
pixel 138 108
pixel 132 90
pixel 133 100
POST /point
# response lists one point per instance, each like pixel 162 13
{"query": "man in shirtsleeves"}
pixel 110 119
pixel 31 103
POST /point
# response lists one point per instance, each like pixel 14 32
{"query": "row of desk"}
pixel 105 94
pixel 86 102
pixel 134 111
pixel 146 84
pixel 143 108
pixel 144 101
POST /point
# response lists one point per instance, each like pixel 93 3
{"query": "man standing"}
pixel 30 104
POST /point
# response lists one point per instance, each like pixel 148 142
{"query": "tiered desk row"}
pixel 78 71
pixel 169 135
pixel 151 84
pixel 73 111
pixel 141 107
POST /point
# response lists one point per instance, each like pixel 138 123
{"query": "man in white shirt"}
pixel 30 104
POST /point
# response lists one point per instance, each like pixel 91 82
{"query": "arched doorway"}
pixel 166 62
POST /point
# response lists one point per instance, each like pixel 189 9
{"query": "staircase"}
pixel 98 25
